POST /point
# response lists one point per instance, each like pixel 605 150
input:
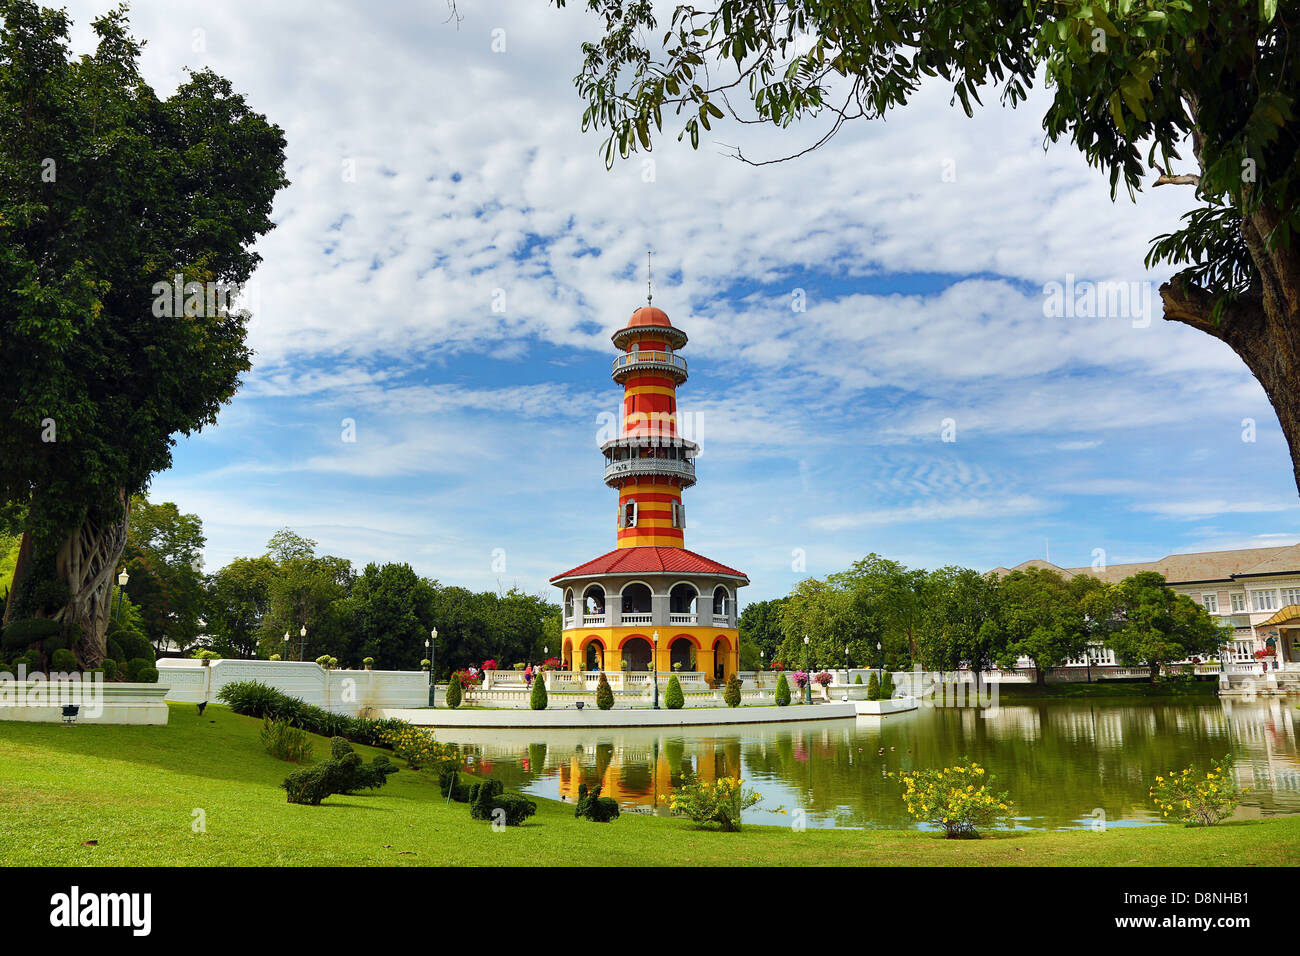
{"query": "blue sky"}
pixel 452 257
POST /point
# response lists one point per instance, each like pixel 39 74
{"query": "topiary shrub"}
pixel 115 650
pixel 674 699
pixel 857 678
pixel 131 643
pixel 109 667
pixel 147 675
pixel 887 685
pixel 307 786
pixel 136 667
pixel 604 693
pixel 450 786
pixel 28 631
pixel 873 687
pixel 594 807
pixel 454 691
pixel 731 696
pixel 64 662
pixel 782 691
pixel 487 798
pixel 343 773
pixel 537 698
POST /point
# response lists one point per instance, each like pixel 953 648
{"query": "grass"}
pixel 128 796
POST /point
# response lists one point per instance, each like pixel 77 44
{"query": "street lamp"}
pixel 807 677
pixel 880 655
pixel 302 643
pixel 286 645
pixel 654 667
pixel 428 643
pixel 122 580
pixel 846 663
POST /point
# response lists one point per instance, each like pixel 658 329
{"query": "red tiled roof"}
pixel 650 560
pixel 646 315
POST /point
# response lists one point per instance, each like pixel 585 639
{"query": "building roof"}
pixel 648 315
pixel 651 560
pixel 1199 566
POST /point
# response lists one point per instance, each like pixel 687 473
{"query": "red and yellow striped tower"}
pixel 650 604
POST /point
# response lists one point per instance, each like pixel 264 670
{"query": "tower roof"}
pixel 648 315
pixel 649 319
pixel 651 560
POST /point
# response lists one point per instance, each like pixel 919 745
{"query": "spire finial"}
pixel 649 277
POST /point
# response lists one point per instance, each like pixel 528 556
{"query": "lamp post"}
pixel 807 677
pixel 122 580
pixel 880 656
pixel 428 643
pixel 846 664
pixel 758 678
pixel 302 643
pixel 286 645
pixel 654 667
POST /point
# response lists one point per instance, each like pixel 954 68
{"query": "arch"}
pixel 631 637
pixel 721 601
pixel 680 650
pixel 593 603
pixel 568 603
pixel 566 654
pixel 637 651
pixel 726 642
pixel 591 653
pixel 683 598
pixel 636 598
pixel 722 668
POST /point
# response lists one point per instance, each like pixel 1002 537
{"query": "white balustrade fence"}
pixel 339 691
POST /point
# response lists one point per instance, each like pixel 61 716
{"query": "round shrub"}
pixel 132 643
pixel 147 675
pixel 64 662
pixel 28 631
pixel 673 697
pixel 604 693
pixel 782 691
pixel 109 667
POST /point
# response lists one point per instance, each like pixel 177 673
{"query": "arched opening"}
pixel 637 653
pixel 566 655
pixel 593 657
pixel 593 601
pixel 721 659
pixel 721 602
pixel 681 653
pixel 636 599
pixel 568 604
pixel 682 599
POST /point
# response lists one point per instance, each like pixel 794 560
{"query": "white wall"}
pixel 340 691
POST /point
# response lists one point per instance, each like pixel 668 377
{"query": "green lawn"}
pixel 134 790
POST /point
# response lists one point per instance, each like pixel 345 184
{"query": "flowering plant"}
pixel 960 799
pixel 721 802
pixel 417 747
pixel 1265 652
pixel 823 678
pixel 800 678
pixel 469 678
pixel 1191 800
pixel 551 663
pixel 489 665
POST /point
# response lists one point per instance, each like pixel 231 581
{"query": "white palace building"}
pixel 1254 590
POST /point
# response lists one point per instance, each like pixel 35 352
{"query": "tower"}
pixel 650 585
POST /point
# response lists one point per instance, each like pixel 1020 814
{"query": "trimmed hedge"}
pixel 604 693
pixel 28 631
pixel 594 807
pixel 674 699
pixel 782 691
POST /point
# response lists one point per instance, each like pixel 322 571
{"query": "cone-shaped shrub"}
pixel 537 698
pixel 604 693
pixel 454 691
pixel 673 697
pixel 731 696
pixel 873 687
pixel 857 678
pixel 782 691
pixel 886 685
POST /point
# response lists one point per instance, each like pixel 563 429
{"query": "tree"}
pixel 107 194
pixel 1145 622
pixel 172 544
pixel 1042 619
pixel 960 626
pixel 604 693
pixel 673 697
pixel 760 627
pixel 1131 82
pixel 537 698
pixel 387 616
pixel 236 600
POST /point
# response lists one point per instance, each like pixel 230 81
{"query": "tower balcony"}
pixel 683 469
pixel 654 362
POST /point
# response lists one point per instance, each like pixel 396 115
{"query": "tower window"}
pixel 629 514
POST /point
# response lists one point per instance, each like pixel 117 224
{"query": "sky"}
pixel 877 357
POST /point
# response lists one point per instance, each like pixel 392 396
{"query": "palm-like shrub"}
pixel 283 741
pixel 674 699
pixel 782 691
pixel 604 693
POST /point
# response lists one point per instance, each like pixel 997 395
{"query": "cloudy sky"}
pixel 452 257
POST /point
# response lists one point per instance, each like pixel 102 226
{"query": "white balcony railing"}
pixel 681 467
pixel 630 618
pixel 594 620
pixel 683 618
pixel 651 359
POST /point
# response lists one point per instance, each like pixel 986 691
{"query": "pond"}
pixel 1066 763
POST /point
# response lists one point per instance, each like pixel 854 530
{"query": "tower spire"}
pixel 649 276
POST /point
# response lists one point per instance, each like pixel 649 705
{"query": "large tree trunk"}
pixel 85 562
pixel 1262 326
